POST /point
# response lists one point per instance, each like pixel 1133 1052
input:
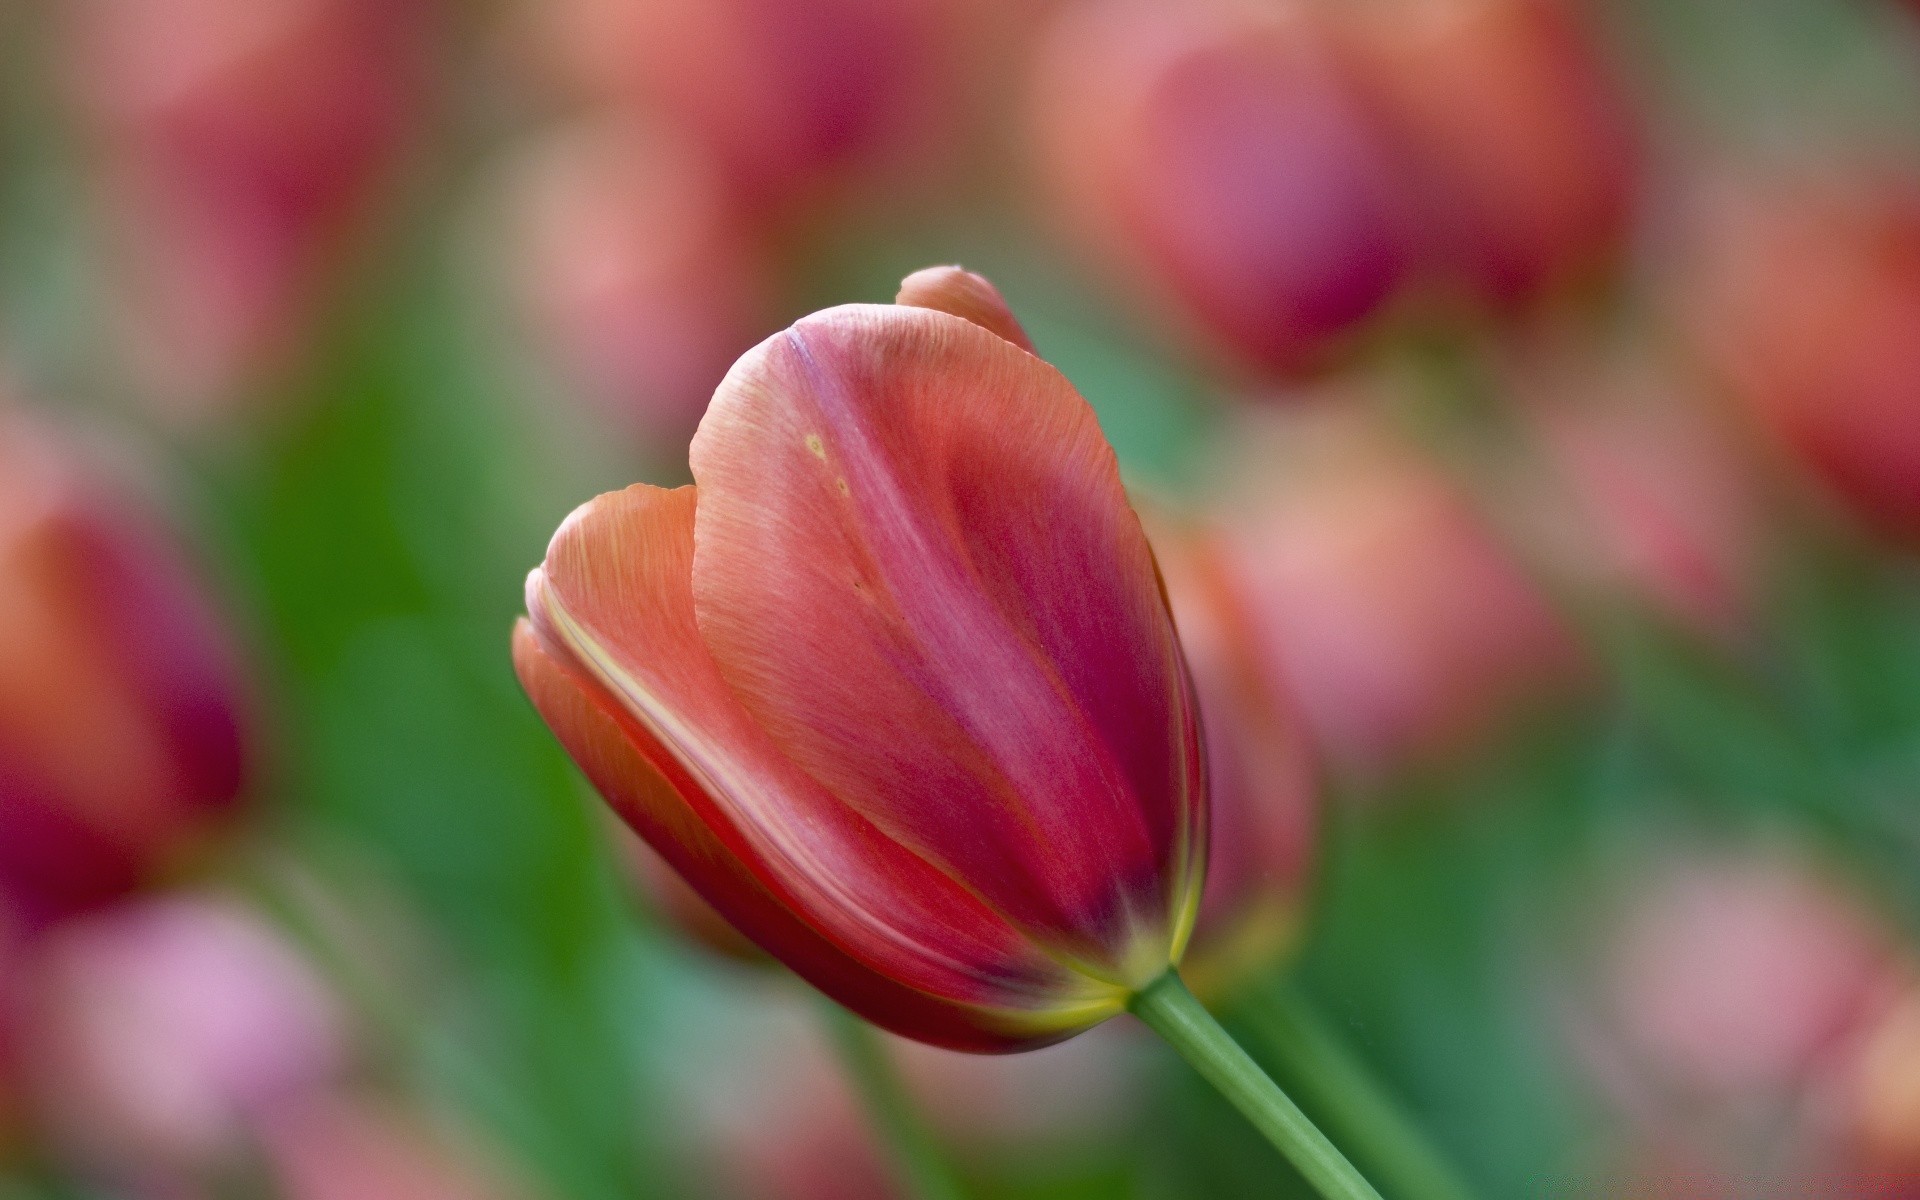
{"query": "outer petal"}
pixel 916 567
pixel 619 671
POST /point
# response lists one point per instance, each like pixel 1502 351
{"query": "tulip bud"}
pixel 1262 790
pixel 1521 143
pixel 893 685
pixel 1830 366
pixel 636 276
pixel 1380 598
pixel 237 140
pixel 159 1034
pixel 1226 158
pixel 121 719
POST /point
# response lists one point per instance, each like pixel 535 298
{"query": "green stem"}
pixel 1319 1066
pixel 892 1112
pixel 1170 1010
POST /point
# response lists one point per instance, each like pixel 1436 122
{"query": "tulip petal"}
pixel 916 567
pixel 964 294
pixel 614 661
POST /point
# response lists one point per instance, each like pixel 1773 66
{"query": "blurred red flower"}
pixel 1804 298
pixel 123 724
pixel 639 278
pixel 1380 597
pixel 1637 492
pixel 1519 139
pixel 786 95
pixel 237 143
pixel 1229 159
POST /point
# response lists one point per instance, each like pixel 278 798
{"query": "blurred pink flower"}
pixel 157 1035
pixel 1522 146
pixel 1733 994
pixel 786 95
pixel 639 278
pixel 1379 597
pixel 122 721
pixel 1830 365
pixel 340 1146
pixel 1227 158
pixel 1735 972
pixel 1637 491
pixel 237 142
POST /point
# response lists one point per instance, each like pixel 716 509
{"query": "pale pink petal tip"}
pixel 961 293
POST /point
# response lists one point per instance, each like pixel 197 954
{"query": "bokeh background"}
pixel 1533 388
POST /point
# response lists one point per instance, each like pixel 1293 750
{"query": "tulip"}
pixel 1523 148
pixel 1228 159
pixel 636 276
pixel 1829 367
pixel 158 1035
pixel 1380 597
pixel 238 141
pixel 894 687
pixel 122 732
pixel 905 705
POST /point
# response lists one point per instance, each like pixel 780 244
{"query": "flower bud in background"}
pixel 786 95
pixel 341 1146
pixel 1739 972
pixel 637 277
pixel 1262 789
pixel 1735 989
pixel 912 716
pixel 157 1035
pixel 1379 598
pixel 1226 158
pixel 1522 146
pixel 237 143
pixel 1637 493
pixel 1830 364
pixel 122 720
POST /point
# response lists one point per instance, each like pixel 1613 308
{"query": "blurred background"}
pixel 1523 398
